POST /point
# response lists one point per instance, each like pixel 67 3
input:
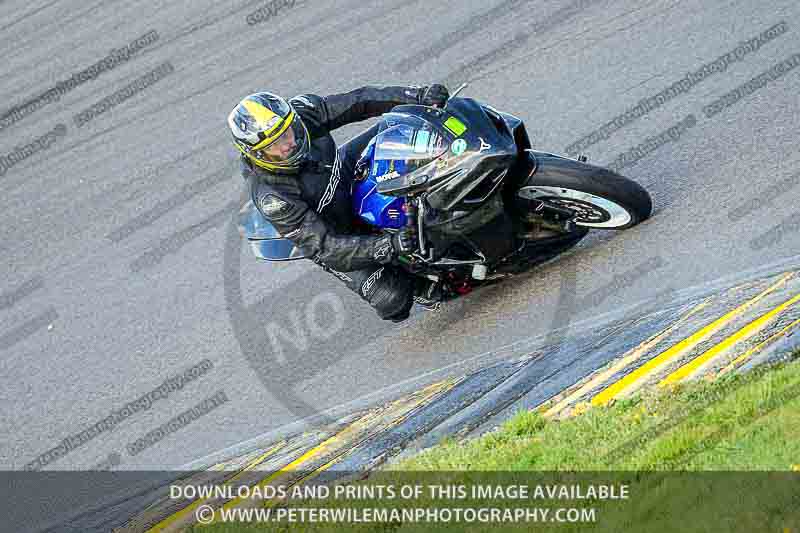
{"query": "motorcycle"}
pixel 483 204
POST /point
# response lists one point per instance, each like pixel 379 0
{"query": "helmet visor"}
pixel 287 145
pixel 287 151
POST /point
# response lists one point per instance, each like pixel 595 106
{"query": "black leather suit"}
pixel 313 207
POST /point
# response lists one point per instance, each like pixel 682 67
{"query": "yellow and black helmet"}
pixel 268 131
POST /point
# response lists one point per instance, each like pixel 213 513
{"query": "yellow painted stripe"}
pixel 307 456
pixel 746 355
pixel 273 502
pixel 631 356
pixel 427 396
pixel 189 510
pixel 308 477
pixel 419 398
pixel 632 379
pixel 310 454
pixel 746 332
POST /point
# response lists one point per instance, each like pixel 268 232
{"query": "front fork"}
pixel 410 210
pixel 414 209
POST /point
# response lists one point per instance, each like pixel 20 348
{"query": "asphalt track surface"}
pixel 118 238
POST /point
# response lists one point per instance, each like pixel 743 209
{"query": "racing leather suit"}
pixel 312 208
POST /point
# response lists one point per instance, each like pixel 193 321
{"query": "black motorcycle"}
pixel 483 204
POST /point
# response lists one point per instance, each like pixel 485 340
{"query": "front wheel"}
pixel 598 197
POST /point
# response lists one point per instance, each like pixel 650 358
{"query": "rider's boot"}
pixel 429 294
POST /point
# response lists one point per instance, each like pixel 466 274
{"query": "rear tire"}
pixel 601 198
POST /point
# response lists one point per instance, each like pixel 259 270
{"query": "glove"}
pixel 361 170
pixel 435 95
pixel 390 246
pixel 404 241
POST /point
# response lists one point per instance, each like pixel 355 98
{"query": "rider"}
pixel 301 182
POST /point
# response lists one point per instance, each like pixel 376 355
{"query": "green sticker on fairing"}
pixel 454 125
pixel 459 146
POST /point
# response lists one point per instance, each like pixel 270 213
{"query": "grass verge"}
pixel 741 422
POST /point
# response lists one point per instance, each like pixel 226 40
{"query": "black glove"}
pixel 390 246
pixel 361 170
pixel 404 241
pixel 435 95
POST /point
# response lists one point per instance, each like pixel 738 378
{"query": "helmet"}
pixel 268 131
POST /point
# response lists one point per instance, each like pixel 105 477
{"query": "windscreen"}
pixel 406 144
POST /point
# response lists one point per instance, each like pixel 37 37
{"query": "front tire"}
pixel 599 197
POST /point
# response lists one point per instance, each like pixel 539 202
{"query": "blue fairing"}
pixel 404 144
pixel 377 209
